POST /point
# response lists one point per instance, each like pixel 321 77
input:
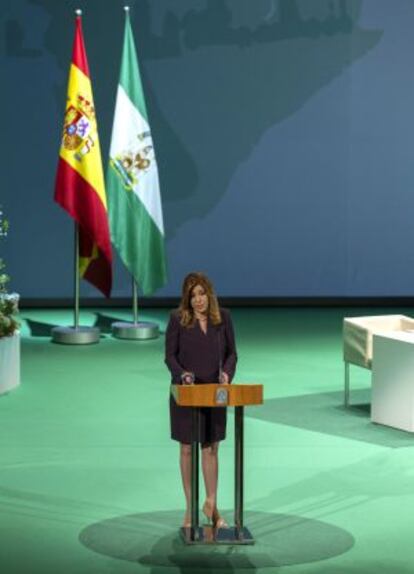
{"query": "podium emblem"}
pixel 222 396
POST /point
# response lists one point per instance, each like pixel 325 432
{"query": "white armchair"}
pixel 357 339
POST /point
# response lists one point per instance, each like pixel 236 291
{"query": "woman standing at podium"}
pixel 200 348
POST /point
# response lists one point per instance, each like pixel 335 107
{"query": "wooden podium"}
pixel 214 395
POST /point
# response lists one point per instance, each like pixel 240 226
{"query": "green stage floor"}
pixel 89 480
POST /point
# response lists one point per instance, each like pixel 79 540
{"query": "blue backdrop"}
pixel 283 130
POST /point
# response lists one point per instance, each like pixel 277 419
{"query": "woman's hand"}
pixel 224 379
pixel 187 378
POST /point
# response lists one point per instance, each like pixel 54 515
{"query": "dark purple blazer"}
pixel 190 349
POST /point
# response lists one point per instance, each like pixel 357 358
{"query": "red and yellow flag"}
pixel 80 187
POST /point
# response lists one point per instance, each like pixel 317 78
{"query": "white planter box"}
pixel 9 363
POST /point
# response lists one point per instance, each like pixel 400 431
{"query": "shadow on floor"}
pixel 104 323
pixel 42 329
pixel 39 328
pixel 325 413
pixel 152 539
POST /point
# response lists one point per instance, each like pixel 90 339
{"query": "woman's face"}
pixel 199 299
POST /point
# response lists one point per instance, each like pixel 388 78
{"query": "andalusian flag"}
pixel 135 214
pixel 80 185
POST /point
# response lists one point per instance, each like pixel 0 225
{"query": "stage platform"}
pixel 89 478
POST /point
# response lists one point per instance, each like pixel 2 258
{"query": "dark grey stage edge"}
pixel 172 302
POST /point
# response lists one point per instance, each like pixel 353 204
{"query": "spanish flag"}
pixel 79 187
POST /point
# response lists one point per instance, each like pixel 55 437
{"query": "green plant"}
pixel 8 309
pixel 8 301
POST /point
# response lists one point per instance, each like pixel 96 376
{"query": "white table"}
pixel 392 401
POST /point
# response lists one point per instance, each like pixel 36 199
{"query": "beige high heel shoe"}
pixel 218 521
pixel 213 516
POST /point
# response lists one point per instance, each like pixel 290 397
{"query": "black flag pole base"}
pixel 75 335
pixel 139 331
pixel 209 535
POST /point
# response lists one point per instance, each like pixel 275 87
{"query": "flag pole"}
pixel 76 335
pixel 138 330
pixel 135 300
pixel 78 12
pixel 76 277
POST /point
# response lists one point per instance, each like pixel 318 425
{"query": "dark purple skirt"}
pixel 212 423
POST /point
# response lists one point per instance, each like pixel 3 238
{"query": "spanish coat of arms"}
pixel 78 127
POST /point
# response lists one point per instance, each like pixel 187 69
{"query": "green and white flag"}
pixel 132 185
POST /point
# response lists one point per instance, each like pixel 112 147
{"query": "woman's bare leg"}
pixel 209 461
pixel 185 466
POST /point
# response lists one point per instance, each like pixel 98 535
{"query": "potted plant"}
pixel 9 327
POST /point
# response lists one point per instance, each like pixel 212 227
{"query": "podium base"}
pixel 209 535
pixel 138 331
